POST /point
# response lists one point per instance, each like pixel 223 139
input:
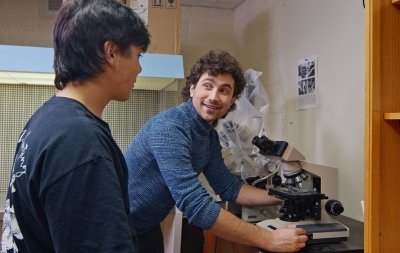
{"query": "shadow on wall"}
pixel 1 224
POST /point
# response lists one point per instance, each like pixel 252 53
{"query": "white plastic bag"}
pixel 240 126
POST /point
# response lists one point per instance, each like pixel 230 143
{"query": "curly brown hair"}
pixel 216 63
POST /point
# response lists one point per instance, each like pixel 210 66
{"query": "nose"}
pixel 213 95
pixel 140 68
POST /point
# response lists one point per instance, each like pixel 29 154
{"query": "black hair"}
pixel 81 29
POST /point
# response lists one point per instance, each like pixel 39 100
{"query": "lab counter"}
pixel 353 244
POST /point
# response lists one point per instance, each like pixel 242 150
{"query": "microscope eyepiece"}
pixel 269 147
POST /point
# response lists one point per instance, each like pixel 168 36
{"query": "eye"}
pixel 226 91
pixel 207 86
pixel 140 55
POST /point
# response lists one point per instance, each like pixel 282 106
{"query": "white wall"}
pixel 271 36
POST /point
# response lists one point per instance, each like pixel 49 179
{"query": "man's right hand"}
pixel 287 240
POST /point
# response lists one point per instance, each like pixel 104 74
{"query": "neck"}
pixel 87 93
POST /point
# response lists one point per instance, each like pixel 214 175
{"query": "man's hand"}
pixel 287 240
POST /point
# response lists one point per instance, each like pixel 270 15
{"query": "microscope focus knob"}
pixel 334 207
pixel 276 180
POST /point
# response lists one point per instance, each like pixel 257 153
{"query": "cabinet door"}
pixel 164 26
pixel 214 244
pixel 382 128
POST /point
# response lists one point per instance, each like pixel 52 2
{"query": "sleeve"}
pixel 171 147
pixel 222 181
pixel 86 211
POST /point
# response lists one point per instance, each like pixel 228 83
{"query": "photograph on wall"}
pixel 158 3
pixel 170 3
pixel 141 7
pixel 307 83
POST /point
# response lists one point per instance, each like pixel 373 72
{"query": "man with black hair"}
pixel 68 188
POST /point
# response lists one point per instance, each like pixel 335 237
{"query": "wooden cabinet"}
pixel 164 26
pixel 382 127
pixel 214 244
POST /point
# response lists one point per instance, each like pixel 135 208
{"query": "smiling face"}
pixel 212 96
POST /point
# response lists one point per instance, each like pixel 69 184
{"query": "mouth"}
pixel 212 107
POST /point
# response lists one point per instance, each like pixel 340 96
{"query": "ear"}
pixel 109 51
pixel 192 87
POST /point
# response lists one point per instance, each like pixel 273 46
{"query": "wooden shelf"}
pixel 395 1
pixel 392 115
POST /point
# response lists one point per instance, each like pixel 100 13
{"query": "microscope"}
pixel 304 203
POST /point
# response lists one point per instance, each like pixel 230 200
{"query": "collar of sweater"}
pixel 197 119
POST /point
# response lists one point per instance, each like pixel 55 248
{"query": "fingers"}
pixel 303 237
pixel 300 231
pixel 301 243
pixel 289 239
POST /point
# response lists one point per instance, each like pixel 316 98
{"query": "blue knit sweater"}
pixel 164 161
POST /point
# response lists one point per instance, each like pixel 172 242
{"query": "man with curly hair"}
pixel 173 148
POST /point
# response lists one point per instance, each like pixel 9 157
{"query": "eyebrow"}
pixel 213 81
pixel 210 79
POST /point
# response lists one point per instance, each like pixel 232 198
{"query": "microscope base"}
pixel 317 231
